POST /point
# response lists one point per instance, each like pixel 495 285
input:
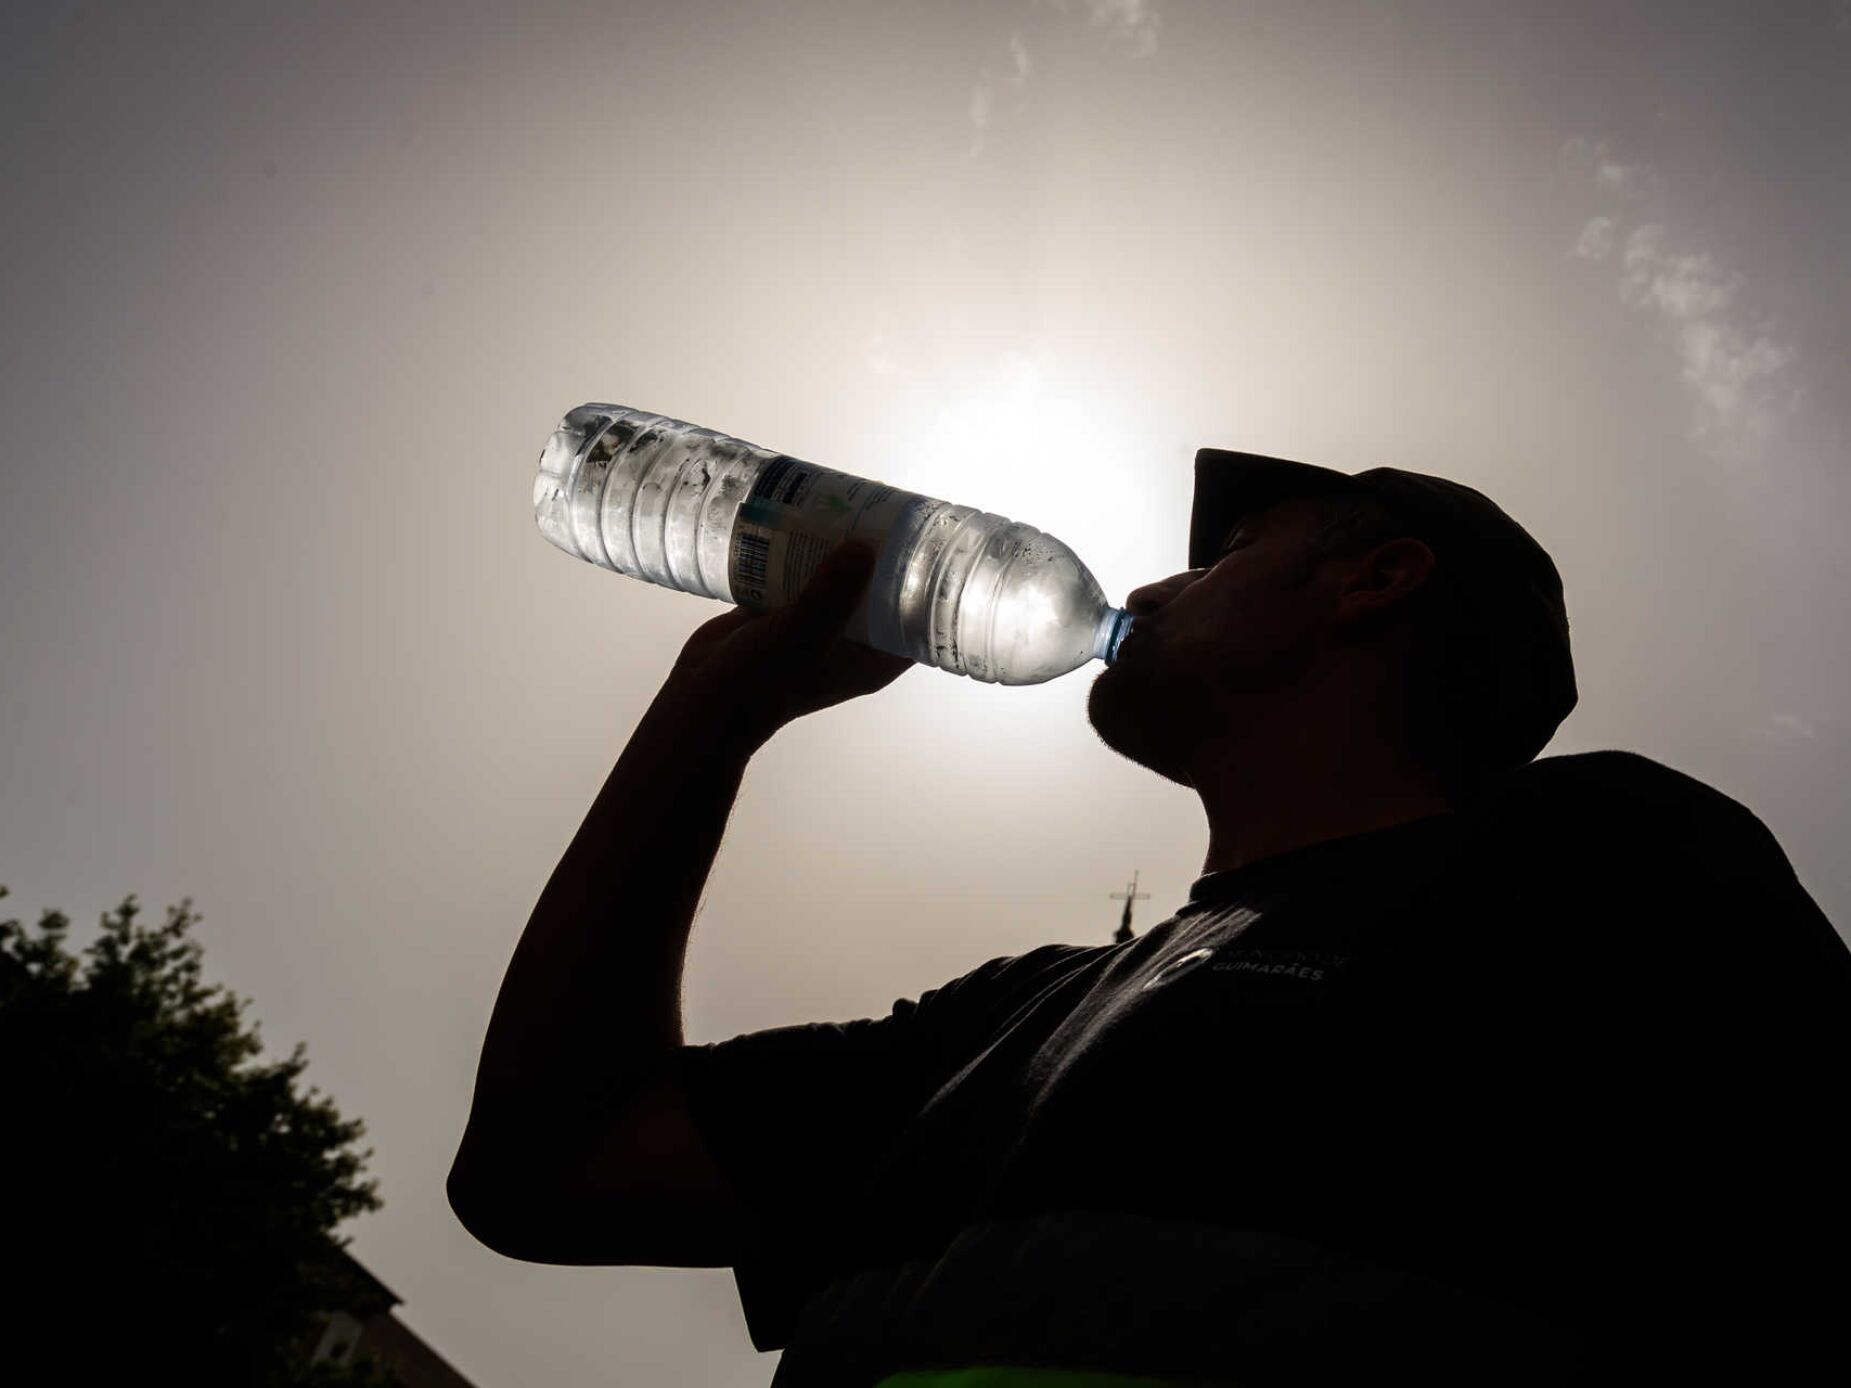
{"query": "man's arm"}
pixel 590 1007
pixel 579 1147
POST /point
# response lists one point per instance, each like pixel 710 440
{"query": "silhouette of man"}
pixel 1457 1066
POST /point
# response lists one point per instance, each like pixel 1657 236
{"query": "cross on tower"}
pixel 1129 895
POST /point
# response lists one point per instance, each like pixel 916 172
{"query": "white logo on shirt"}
pixel 1181 964
pixel 1310 966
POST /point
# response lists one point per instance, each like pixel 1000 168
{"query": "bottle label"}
pixel 797 513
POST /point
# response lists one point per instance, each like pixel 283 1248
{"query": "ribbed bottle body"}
pixel 645 495
pixel 953 587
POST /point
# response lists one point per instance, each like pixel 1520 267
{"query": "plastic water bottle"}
pixel 961 589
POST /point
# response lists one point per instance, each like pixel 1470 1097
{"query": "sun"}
pixel 1018 436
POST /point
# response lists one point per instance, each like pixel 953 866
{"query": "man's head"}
pixel 1322 608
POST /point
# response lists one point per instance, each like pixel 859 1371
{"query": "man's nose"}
pixel 1143 601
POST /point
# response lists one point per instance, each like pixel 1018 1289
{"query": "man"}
pixel 1457 1066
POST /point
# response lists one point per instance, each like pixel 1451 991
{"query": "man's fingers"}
pixel 846 563
pixel 831 594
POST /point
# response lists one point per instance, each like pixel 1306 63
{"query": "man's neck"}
pixel 1291 792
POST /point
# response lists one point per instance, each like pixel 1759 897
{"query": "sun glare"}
pixel 1022 441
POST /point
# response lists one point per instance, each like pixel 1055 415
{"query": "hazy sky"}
pixel 293 294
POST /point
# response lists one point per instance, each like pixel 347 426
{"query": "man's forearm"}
pixel 592 997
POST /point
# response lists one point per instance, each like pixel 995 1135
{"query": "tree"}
pixel 174 1196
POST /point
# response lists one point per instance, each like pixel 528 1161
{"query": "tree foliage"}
pixel 176 1193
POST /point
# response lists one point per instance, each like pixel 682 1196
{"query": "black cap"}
pixel 1510 596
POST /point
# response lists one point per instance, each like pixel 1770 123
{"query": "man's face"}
pixel 1209 648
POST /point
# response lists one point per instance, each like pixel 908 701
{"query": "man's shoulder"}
pixel 1615 769
pixel 1008 980
pixel 1621 812
pixel 1627 784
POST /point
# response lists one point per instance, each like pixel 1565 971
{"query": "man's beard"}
pixel 1136 713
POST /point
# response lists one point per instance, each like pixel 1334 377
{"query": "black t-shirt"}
pixel 1525 1093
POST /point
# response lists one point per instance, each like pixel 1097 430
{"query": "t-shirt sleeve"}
pixel 1740 995
pixel 1765 983
pixel 795 1116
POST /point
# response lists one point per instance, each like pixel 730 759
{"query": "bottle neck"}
pixel 1112 629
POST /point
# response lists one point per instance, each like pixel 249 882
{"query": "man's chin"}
pixel 1106 700
pixel 1128 717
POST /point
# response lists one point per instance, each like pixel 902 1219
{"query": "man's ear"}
pixel 1386 575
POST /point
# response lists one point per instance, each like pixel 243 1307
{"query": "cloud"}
pixel 982 108
pixel 1631 180
pixel 1628 180
pixel 1681 285
pixel 878 356
pixel 1018 53
pixel 1597 238
pixel 1134 22
pixel 1732 368
pixel 980 103
pixel 1728 367
pixel 1787 728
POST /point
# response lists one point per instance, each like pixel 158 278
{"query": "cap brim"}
pixel 1231 485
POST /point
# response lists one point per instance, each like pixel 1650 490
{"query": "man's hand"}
pixel 761 670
